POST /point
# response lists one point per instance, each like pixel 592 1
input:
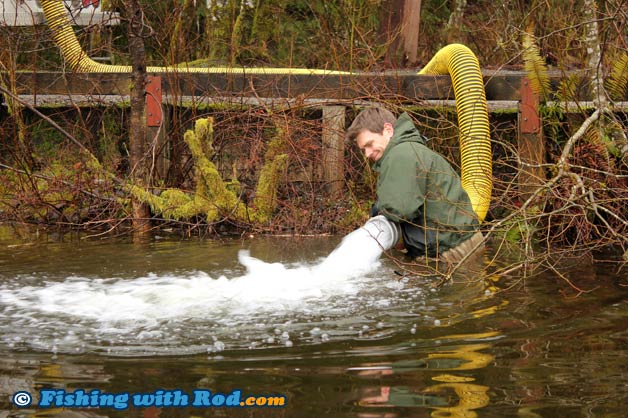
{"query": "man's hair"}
pixel 371 119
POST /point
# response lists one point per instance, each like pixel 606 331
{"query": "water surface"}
pixel 267 316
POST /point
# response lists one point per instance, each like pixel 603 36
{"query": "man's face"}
pixel 374 144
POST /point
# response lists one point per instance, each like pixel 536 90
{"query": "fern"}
pixel 602 145
pixel 618 80
pixel 535 66
pixel 567 89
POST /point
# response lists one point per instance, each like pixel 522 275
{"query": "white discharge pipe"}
pixel 384 231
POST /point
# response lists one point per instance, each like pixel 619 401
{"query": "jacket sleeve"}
pixel 402 182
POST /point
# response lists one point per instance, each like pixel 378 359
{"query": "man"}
pixel 417 188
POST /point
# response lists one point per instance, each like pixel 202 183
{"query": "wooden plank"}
pixel 340 87
pixel 47 83
pixel 505 86
pixel 402 86
pixel 494 106
pixel 393 86
pixel 265 85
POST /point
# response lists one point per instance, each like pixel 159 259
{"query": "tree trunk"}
pixel 454 25
pixel 389 22
pixel 399 27
pixel 594 53
pixel 137 129
pixel 410 30
pixel 610 132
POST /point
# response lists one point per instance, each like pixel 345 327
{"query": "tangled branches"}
pixel 579 211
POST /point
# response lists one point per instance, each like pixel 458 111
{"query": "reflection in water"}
pixel 471 397
pixel 466 398
pixel 33 373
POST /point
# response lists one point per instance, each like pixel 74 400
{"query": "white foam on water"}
pixel 168 308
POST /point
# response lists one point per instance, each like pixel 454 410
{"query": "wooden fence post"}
pixel 333 148
pixel 530 142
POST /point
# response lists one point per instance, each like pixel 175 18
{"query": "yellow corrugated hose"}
pixel 77 59
pixel 475 141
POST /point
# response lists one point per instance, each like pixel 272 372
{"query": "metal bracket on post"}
pixel 530 142
pixel 156 124
pixel 530 120
pixel 154 101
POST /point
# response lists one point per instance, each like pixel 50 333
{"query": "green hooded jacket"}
pixel 420 190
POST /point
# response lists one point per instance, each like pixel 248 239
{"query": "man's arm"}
pixel 402 184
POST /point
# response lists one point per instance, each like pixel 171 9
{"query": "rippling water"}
pixel 269 304
pixel 344 336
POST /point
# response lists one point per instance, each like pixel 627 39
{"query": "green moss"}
pixel 110 136
pixel 47 141
pixel 266 192
pixel 234 185
pixel 276 162
pixel 437 110
pixel 178 205
pixel 204 132
pixel 93 164
pixel 213 197
pixel 506 111
pixel 213 107
pixel 522 228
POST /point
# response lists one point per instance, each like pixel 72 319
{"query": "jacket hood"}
pixel 404 131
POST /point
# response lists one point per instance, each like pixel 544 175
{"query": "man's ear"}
pixel 388 129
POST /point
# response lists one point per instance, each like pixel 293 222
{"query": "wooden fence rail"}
pixel 505 91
